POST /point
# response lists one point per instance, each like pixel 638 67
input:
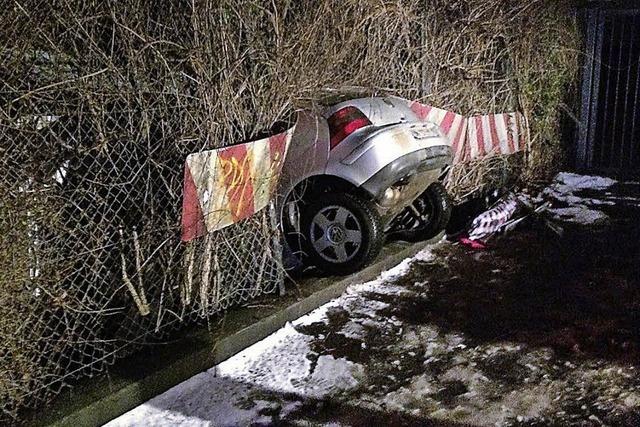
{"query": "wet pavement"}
pixel 536 330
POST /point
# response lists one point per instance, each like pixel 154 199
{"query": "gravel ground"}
pixel 535 330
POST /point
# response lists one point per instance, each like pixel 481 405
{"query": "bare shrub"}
pixel 100 102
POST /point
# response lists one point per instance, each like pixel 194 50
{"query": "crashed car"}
pixel 359 171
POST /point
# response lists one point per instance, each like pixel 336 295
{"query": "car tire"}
pixel 437 201
pixel 343 232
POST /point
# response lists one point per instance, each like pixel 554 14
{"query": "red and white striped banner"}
pixel 478 136
pixel 494 134
pixel 453 125
pixel 226 185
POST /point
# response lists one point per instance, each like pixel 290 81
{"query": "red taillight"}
pixel 344 122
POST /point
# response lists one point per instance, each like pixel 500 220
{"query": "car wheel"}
pixel 427 216
pixel 343 233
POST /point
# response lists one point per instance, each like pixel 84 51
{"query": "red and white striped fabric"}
pixel 494 134
pixel 478 136
pixel 453 125
pixel 226 185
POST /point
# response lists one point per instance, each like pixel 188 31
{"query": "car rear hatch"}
pixel 408 137
pixel 355 126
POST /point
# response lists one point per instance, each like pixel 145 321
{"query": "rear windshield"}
pixel 380 111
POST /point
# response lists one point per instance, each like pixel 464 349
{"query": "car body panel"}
pixel 393 160
pixel 378 148
pixel 308 152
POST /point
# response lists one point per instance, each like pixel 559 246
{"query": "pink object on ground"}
pixel 473 244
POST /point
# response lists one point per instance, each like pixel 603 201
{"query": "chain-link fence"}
pixel 97 121
pixel 91 257
pixel 101 101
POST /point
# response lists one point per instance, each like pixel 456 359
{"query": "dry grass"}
pixel 138 86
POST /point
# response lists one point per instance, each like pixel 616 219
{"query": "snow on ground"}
pixel 570 182
pixel 575 207
pixel 520 334
pixel 280 363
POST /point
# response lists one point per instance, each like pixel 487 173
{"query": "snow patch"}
pixel 333 374
pixel 414 395
pixel 426 255
pixel 573 182
pixel 283 362
pixel 580 215
pixel 378 287
pixel 354 330
pixel 187 405
pixel 576 208
pixel 262 364
pixel 280 362
pixel 384 283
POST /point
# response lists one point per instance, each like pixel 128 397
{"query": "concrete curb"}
pixel 115 403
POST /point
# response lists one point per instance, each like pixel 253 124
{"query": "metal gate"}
pixel 609 137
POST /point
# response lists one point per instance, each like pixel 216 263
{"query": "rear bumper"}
pixel 427 159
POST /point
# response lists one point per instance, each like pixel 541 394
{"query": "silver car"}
pixel 359 171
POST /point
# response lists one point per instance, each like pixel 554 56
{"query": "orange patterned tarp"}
pixel 226 185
